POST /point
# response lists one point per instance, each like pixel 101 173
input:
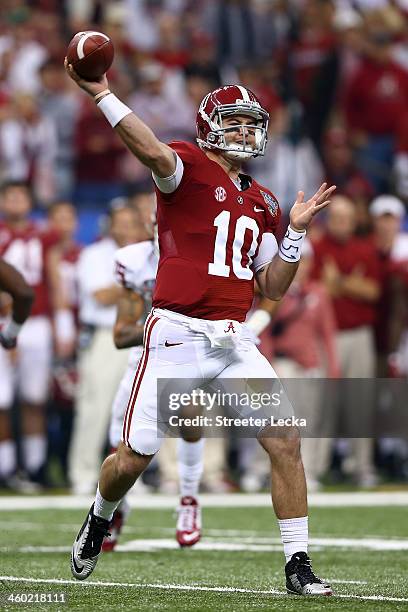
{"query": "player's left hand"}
pixel 303 212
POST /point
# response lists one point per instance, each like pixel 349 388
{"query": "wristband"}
pixel 113 109
pixel 258 321
pixel 11 330
pixel 64 325
pixel 290 249
pixel 101 94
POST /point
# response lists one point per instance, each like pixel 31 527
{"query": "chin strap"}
pixel 241 155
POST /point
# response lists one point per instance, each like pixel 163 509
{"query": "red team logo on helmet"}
pixel 225 102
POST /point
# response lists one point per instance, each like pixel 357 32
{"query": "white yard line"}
pixel 208 500
pixel 183 587
pixel 273 544
pixel 336 581
pixel 259 545
pixel 214 535
pixel 241 535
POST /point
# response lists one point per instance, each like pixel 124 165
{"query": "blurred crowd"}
pixel 334 77
pixel 332 74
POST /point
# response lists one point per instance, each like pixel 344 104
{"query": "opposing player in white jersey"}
pixel 216 229
pixel 135 270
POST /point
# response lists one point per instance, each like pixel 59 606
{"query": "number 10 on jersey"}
pixel 219 266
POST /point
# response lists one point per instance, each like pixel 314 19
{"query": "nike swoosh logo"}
pixel 258 209
pixel 172 343
pixel 79 570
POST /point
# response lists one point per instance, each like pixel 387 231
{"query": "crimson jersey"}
pixel 27 251
pixel 209 234
pixel 68 274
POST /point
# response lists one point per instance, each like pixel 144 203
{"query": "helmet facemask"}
pixel 237 151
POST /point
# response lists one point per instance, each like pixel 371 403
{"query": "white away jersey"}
pixel 135 269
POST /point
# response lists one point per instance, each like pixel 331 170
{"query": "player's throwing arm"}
pixel 137 136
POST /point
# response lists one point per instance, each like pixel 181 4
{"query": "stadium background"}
pixel 301 57
pixel 333 75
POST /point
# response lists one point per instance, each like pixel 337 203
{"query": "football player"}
pixel 62 219
pixel 29 248
pixel 216 234
pixel 13 283
pixel 135 270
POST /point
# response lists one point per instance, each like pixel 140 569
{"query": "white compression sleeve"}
pixel 266 252
pixel 170 183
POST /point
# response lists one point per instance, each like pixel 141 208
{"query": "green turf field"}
pixel 238 566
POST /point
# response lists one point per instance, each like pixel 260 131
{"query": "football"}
pixel 91 54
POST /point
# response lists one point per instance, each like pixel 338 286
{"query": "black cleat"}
pixel 88 544
pixel 119 518
pixel 300 579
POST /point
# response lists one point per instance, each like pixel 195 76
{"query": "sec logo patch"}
pixel 220 194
